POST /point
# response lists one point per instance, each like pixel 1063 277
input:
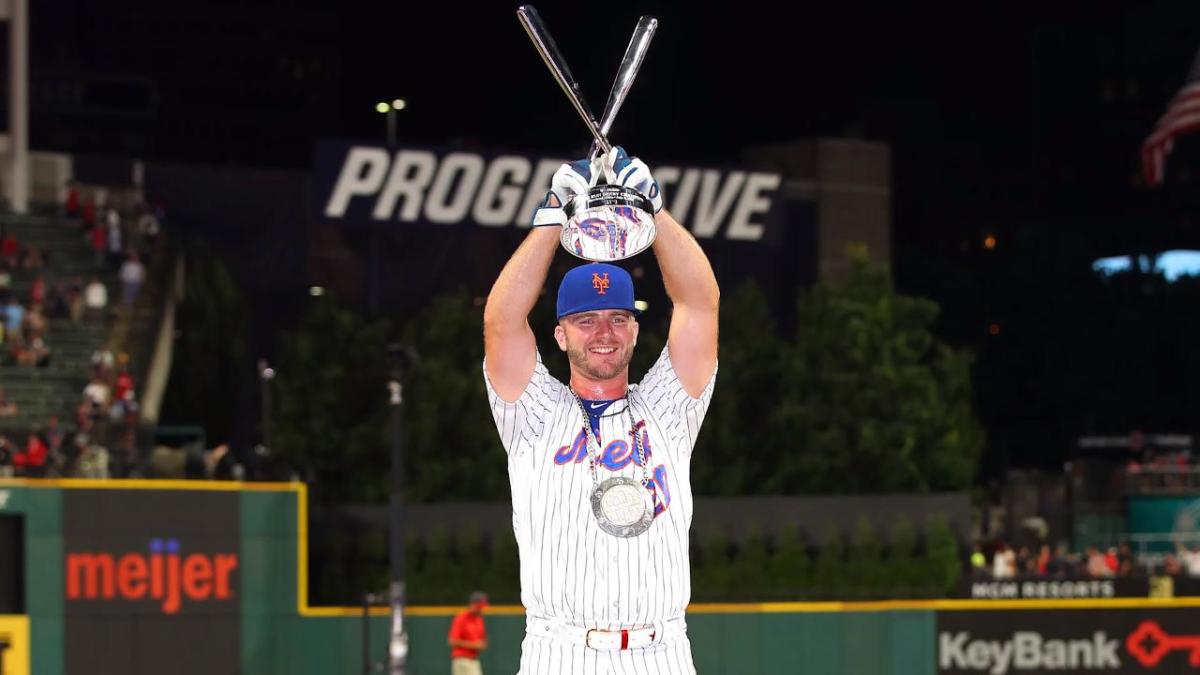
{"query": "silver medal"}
pixel 623 507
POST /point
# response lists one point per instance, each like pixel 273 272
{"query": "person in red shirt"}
pixel 468 637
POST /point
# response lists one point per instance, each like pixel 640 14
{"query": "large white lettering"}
pixel 1027 650
pixel 495 206
pixel 362 173
pixel 416 185
pixel 444 206
pixel 411 172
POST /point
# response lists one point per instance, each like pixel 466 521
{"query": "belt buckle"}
pixel 587 638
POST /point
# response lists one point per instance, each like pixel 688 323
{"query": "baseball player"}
pixel 599 467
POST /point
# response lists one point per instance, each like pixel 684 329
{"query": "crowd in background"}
pixel 99 438
pixel 1094 563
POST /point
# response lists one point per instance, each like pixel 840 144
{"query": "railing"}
pixel 1166 479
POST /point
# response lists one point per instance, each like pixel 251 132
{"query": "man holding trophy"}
pixel 599 467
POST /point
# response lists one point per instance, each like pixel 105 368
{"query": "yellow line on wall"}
pixel 303 608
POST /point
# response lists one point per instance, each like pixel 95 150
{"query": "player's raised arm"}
pixel 510 351
pixel 689 280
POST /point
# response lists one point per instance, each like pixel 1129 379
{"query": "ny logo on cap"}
pixel 600 282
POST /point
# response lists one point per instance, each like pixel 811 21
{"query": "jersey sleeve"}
pixel 522 422
pixel 456 628
pixel 664 393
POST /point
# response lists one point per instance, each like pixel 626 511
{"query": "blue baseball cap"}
pixel 595 286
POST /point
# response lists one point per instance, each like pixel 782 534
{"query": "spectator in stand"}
pixel 89 216
pixel 34 456
pixel 37 291
pixel 1111 561
pixel 1004 562
pixel 1189 559
pixel 98 394
pixel 1023 557
pixel 7 407
pixel 99 241
pixel 124 379
pixel 1097 566
pixel 35 257
pixel 95 299
pixel 148 229
pixel 35 353
pixel 53 435
pixel 57 305
pixel 92 459
pixel 1061 565
pixel 9 248
pixel 5 283
pixel 1171 566
pixel 7 454
pixel 102 364
pixel 133 273
pixel 72 202
pixel 114 238
pixel 1125 561
pixel 36 322
pixel 14 321
pixel 75 300
pixel 1043 560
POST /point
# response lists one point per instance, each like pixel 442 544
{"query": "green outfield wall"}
pixel 141 577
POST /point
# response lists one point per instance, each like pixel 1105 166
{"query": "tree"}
pixel 711 579
pixel 738 448
pixel 864 569
pixel 902 571
pixel 451 445
pixel 748 571
pixel 870 400
pixel 211 366
pixel 829 573
pixel 330 404
pixel 789 568
pixel 942 560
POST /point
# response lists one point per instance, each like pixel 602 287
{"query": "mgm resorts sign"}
pixel 358 184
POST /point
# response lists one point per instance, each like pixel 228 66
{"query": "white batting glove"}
pixel 620 169
pixel 573 178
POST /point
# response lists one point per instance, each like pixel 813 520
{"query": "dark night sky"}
pixel 1019 121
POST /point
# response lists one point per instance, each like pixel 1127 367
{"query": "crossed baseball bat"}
pixel 643 33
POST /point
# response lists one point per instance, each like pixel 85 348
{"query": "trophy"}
pixel 610 222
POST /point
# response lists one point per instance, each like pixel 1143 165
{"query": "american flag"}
pixel 1182 116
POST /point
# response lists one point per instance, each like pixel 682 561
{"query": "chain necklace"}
pixel 622 506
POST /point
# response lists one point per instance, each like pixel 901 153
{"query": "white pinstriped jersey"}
pixel 571 570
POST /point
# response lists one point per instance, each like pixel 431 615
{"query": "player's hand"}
pixel 621 169
pixel 572 178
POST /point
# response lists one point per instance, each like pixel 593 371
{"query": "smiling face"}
pixel 599 344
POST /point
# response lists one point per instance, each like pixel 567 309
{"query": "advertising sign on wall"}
pixel 14 645
pixel 359 184
pixel 1109 640
pixel 152 580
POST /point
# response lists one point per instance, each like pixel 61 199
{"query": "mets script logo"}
pixel 617 455
pixel 600 282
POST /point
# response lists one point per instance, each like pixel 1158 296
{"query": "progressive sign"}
pixel 359 184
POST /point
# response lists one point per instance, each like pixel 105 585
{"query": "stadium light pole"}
pixel 373 273
pixel 400 356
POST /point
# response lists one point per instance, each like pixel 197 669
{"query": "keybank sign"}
pixel 165 573
pixel 363 184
